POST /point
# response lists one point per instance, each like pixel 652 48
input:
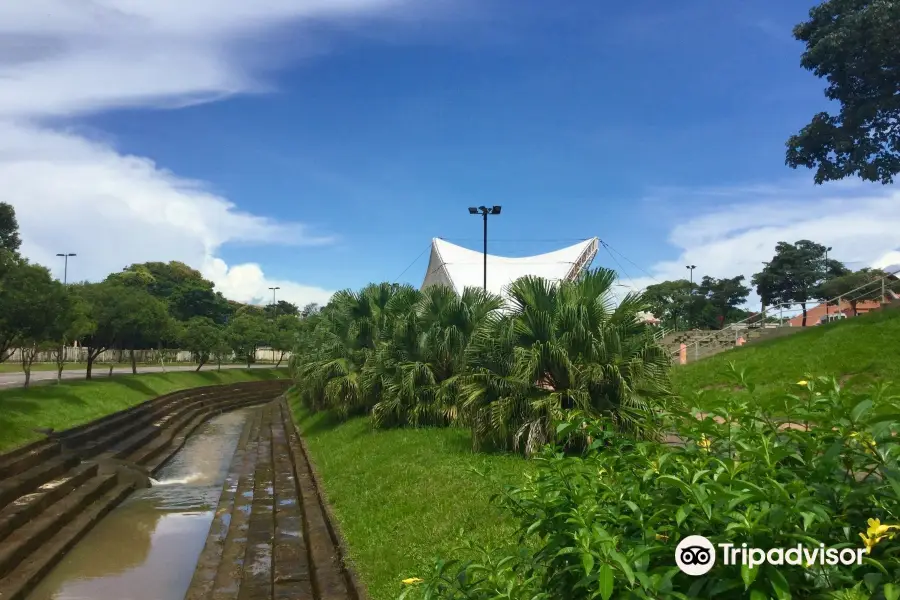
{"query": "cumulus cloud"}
pixel 735 229
pixel 61 59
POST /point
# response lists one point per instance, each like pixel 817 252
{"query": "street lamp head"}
pixel 495 210
pixel 691 267
pixel 473 210
pixel 72 254
pixel 60 254
pixel 483 209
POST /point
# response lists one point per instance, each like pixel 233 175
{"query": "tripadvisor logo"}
pixel 696 555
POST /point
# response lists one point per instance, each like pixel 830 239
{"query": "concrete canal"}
pixel 146 549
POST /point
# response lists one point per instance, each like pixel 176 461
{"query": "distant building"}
pixel 815 313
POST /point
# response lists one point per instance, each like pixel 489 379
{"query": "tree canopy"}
pixel 712 303
pixel 795 274
pixel 855 287
pixel 9 229
pixel 855 46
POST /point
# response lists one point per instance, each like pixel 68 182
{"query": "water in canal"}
pixel 147 548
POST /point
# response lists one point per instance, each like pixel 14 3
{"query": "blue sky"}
pixel 329 146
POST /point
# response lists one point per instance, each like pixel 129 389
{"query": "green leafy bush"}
pixel 816 467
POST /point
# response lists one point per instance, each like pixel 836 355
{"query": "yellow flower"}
pixel 803 382
pixel 662 537
pixel 414 580
pixel 869 542
pixel 879 530
pixel 704 442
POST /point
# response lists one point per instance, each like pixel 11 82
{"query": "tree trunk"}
pixel 853 306
pixel 111 367
pixel 280 358
pixel 133 363
pixel 60 362
pixel 28 355
pixel 249 358
pixel 90 362
pixel 803 306
pixel 201 362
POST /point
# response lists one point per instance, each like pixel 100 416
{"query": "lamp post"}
pixel 274 311
pixel 825 272
pixel 691 301
pixel 484 211
pixel 66 264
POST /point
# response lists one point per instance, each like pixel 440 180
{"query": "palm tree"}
pixel 560 347
pixel 418 365
pixel 330 370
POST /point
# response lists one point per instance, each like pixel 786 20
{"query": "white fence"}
pixel 78 354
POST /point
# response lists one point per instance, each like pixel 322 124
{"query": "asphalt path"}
pixel 8 380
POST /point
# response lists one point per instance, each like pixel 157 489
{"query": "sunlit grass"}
pixel 863 349
pixel 405 496
pixel 72 403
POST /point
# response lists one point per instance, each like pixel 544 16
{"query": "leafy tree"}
pixel 184 289
pixel 51 314
pixel 33 307
pixel 246 333
pixel 283 307
pixel 794 274
pixel 718 300
pixel 121 317
pixel 9 229
pixel 561 348
pixel 310 309
pixel 343 339
pixel 670 302
pixel 849 285
pixel 20 281
pixel 855 46
pixel 70 326
pixel 416 370
pixel 202 337
pixel 284 335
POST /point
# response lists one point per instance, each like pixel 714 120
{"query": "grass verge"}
pixel 857 351
pixel 403 497
pixel 72 403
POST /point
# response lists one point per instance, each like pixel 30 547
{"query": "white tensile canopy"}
pixel 459 267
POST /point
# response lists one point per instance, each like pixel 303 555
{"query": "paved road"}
pixel 8 380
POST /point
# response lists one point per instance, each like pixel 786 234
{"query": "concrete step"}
pixel 28 481
pixel 30 505
pixel 17 584
pixel 28 538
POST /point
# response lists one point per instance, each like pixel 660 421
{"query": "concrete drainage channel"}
pixel 271 535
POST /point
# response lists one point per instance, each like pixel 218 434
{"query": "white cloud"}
pixel 61 59
pixel 737 233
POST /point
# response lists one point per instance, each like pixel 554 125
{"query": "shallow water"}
pixel 147 548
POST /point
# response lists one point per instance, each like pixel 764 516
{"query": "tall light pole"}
pixel 825 272
pixel 274 306
pixel 484 211
pixel 66 264
pixel 274 311
pixel 691 302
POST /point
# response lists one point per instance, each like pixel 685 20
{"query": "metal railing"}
pixel 758 320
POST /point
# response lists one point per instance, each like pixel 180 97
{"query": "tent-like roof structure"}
pixel 459 267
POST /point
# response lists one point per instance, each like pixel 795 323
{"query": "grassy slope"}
pixel 65 405
pixel 859 350
pixel 405 496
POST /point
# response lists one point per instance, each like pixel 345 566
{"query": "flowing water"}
pixel 147 548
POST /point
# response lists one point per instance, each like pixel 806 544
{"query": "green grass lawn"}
pixel 72 403
pixel 860 350
pixel 405 496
